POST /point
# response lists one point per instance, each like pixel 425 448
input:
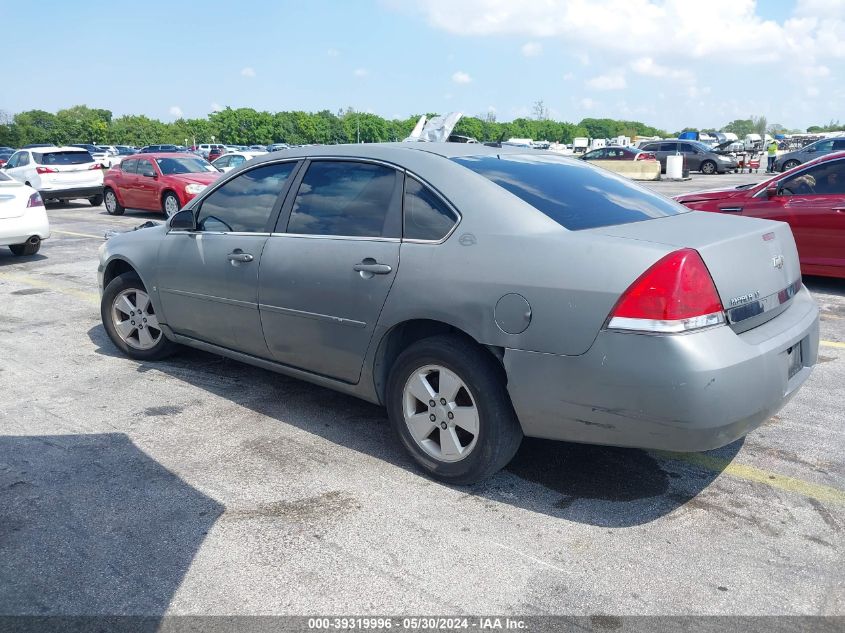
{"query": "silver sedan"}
pixel 480 295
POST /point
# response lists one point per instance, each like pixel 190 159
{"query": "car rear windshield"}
pixel 63 158
pixel 187 165
pixel 571 192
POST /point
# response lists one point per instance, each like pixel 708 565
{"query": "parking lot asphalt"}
pixel 201 485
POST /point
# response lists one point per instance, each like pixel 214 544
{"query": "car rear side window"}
pixel 426 216
pixel 129 166
pixel 348 199
pixel 571 192
pixel 668 147
pixel 244 204
pixel 63 158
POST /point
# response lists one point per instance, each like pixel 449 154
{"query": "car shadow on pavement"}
pixel 7 259
pixel 825 285
pixel 596 485
pixel 91 525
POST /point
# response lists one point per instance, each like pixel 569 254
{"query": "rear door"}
pixel 145 186
pixel 208 278
pixel 326 274
pixel 124 177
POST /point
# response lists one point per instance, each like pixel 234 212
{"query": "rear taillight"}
pixel 96 166
pixel 676 294
pixel 34 201
pixel 645 156
pixel 46 170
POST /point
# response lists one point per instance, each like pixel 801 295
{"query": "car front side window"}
pixel 245 204
pixel 825 179
pixel 145 168
pixel 350 199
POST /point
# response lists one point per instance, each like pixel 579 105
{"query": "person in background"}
pixel 772 150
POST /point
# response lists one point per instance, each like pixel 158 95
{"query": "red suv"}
pixel 156 182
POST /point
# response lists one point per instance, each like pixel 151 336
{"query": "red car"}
pixel 810 198
pixel 156 182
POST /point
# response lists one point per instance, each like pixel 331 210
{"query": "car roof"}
pixel 163 155
pixel 395 152
pixel 56 148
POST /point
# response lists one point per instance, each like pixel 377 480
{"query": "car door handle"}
pixel 370 265
pixel 240 256
pixel 731 209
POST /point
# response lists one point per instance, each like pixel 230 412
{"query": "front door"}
pixel 208 278
pixel 813 203
pixel 325 279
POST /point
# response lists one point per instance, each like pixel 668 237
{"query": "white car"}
pixel 23 219
pixel 58 173
pixel 228 162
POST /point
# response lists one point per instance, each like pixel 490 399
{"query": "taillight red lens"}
pixel 35 200
pixel 46 170
pixel 675 295
pixel 96 166
pixel 645 156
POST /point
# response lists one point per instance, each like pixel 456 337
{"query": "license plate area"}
pixel 794 360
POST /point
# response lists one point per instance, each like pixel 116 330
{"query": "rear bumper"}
pixel 690 392
pixel 71 193
pixel 18 230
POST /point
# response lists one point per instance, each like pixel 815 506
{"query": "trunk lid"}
pixel 754 263
pixel 13 199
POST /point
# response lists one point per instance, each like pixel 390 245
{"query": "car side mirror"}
pixel 183 221
pixel 772 191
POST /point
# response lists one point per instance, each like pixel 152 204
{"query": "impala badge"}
pixel 777 262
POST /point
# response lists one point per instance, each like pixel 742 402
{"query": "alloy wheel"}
pixel 171 206
pixel 440 413
pixel 111 202
pixel 134 319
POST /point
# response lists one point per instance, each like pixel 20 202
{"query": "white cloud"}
pixel 361 72
pixel 614 80
pixel 460 77
pixel 333 52
pixel 216 107
pixel 175 111
pixel 734 31
pixel 647 66
pixel 248 71
pixel 532 49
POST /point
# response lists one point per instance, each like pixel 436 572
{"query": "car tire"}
pixel 790 164
pixel 477 401
pixel 708 167
pixel 96 201
pixel 170 204
pixel 30 247
pixel 113 206
pixel 126 310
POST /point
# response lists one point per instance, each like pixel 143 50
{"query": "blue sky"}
pixel 669 63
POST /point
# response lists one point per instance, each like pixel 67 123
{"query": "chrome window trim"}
pixel 235 233
pixel 354 238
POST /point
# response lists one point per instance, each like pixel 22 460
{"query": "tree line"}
pixel 246 126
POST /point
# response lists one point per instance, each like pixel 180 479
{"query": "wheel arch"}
pixel 116 267
pixel 116 193
pixel 168 190
pixel 402 335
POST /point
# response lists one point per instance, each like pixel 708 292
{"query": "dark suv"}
pixel 697 156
